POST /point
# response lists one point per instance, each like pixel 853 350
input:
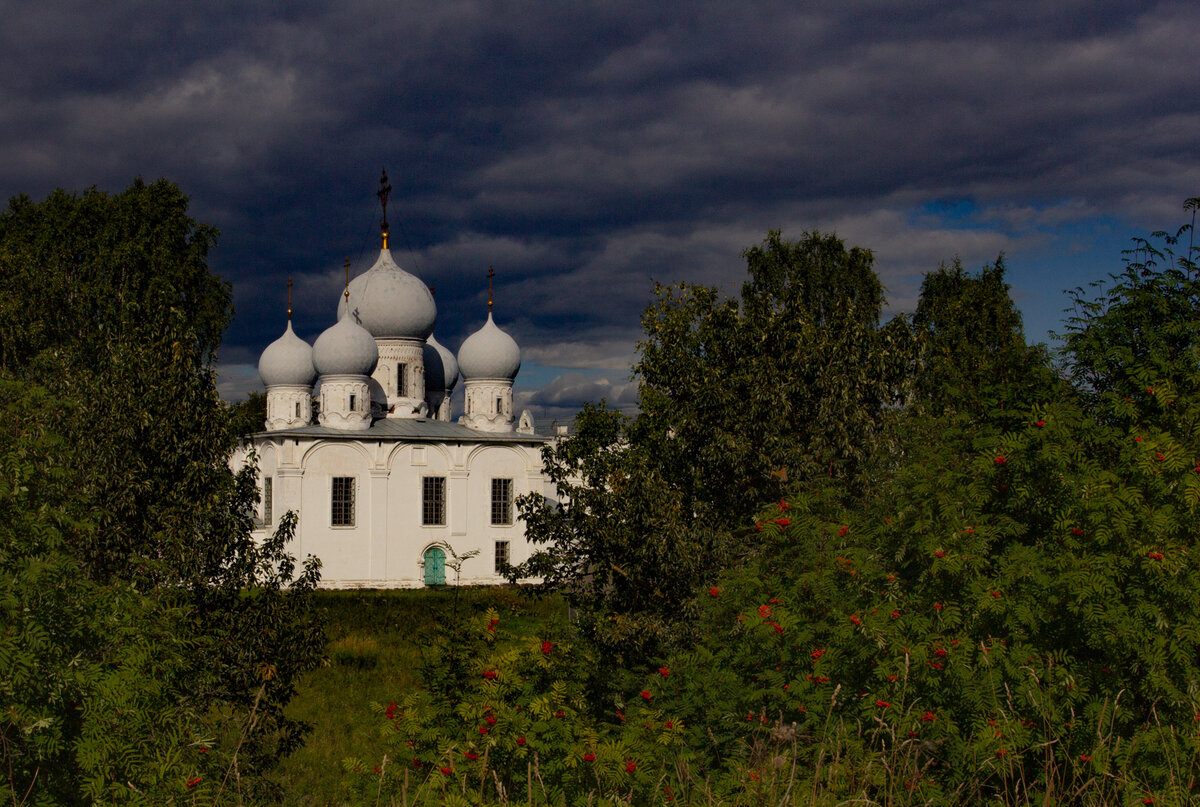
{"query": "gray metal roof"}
pixel 417 430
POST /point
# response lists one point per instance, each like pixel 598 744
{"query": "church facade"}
pixel 360 444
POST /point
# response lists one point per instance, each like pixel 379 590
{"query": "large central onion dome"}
pixel 441 368
pixel 345 349
pixel 287 361
pixel 489 353
pixel 391 303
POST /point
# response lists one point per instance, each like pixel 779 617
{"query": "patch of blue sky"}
pixel 1055 248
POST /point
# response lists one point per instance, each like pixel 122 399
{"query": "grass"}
pixel 375 641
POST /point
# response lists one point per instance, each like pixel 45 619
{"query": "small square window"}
pixel 501 502
pixel 501 557
pixel 433 501
pixel 342 502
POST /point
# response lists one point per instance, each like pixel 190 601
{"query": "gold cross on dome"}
pixel 385 190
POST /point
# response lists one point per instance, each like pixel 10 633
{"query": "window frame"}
pixel 433 501
pixel 503 503
pixel 340 507
pixel 268 500
pixel 502 555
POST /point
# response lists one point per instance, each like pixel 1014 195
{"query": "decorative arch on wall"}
pixel 399 448
pixel 524 455
pixel 316 447
pixel 267 450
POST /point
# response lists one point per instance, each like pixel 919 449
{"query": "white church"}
pixel 359 440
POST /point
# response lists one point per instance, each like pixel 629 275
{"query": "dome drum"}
pixel 289 406
pixel 345 402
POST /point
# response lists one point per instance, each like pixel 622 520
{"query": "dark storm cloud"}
pixel 588 150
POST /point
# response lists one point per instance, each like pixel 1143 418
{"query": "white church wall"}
pixel 345 549
pixel 384 546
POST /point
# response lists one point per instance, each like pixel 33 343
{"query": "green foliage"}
pixel 195 633
pixel 971 356
pixel 1002 609
pixel 791 380
pixel 620 546
pixel 248 416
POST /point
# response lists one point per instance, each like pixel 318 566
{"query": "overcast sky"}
pixel 586 150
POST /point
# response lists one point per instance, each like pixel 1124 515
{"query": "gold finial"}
pixel 384 191
pixel 491 274
pixel 289 298
pixel 347 292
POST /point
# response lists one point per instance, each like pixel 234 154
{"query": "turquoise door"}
pixel 435 567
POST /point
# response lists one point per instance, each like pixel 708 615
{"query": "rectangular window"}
pixel 501 557
pixel 353 402
pixel 268 500
pixel 501 501
pixel 342 504
pixel 433 500
pixel 401 380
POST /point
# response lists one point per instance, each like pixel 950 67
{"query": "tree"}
pixel 107 304
pixel 971 355
pixel 1018 597
pixel 791 381
pixel 738 396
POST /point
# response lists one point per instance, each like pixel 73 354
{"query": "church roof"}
pixel 416 430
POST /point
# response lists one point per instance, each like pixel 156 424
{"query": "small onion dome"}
pixel 489 353
pixel 345 349
pixel 441 368
pixel 287 360
pixel 391 303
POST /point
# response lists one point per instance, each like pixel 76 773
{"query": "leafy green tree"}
pixel 791 381
pixel 971 355
pixel 108 304
pixel 617 543
pixel 249 415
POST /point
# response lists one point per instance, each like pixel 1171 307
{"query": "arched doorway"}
pixel 435 566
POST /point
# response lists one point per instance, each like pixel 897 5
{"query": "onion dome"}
pixel 441 368
pixel 287 360
pixel 489 353
pixel 391 303
pixel 345 349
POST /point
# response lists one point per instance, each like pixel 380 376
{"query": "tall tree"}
pixel 107 302
pixel 791 381
pixel 970 350
pixel 738 396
